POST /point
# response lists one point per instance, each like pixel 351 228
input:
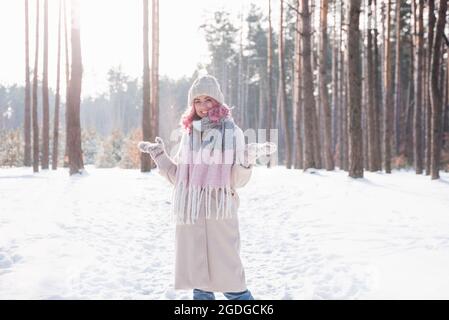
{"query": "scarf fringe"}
pixel 187 202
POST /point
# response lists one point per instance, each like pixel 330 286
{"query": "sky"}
pixel 111 36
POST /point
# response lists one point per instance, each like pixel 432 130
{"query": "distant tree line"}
pixel 358 85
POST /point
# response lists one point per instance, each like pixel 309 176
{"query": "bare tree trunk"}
pixel 45 100
pixel 27 113
pixel 57 99
pixel 364 91
pixel 67 82
pixel 282 107
pixel 145 158
pixel 329 163
pixel 269 76
pixel 446 103
pixel 342 101
pixel 35 102
pixel 426 85
pixel 261 108
pixel 407 148
pixel 355 81
pixel 377 150
pixel 436 96
pixel 297 92
pixel 388 93
pixel 245 96
pixel 335 86
pixel 408 122
pixel 371 87
pixel 307 81
pixel 344 115
pixel 155 69
pixel 397 80
pixel 240 70
pixel 418 6
pixel 76 164
pixel 316 116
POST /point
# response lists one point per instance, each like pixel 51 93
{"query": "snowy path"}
pixel 108 235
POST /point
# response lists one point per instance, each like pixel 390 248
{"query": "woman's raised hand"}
pixel 154 149
pixel 254 151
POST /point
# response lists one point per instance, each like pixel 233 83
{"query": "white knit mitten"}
pixel 154 149
pixel 253 151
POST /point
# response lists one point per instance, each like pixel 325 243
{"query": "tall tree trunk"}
pixel 408 123
pixel 397 80
pixel 27 113
pixel 297 92
pixel 436 96
pixel 145 158
pixel 67 82
pixel 240 72
pixel 45 100
pixel 342 99
pixel 370 90
pixel 269 78
pixel 245 94
pixel 35 102
pixel 57 99
pixel 377 150
pixel 282 107
pixel 345 118
pixel 426 85
pixel 316 116
pixel 307 84
pixel 388 93
pixel 345 86
pixel 335 86
pixel 446 103
pixel 155 69
pixel 344 115
pixel 354 108
pixel 76 164
pixel 418 6
pixel 261 106
pixel 329 163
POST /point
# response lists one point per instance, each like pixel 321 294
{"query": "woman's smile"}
pixel 202 105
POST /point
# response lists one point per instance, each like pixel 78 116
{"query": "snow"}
pixel 108 234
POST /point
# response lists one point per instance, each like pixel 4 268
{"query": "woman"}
pixel 211 163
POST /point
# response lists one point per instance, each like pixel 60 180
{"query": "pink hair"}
pixel 190 115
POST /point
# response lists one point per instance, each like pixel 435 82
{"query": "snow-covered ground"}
pixel 322 235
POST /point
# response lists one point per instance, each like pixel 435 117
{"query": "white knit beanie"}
pixel 206 85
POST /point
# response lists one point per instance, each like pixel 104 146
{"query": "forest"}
pixel 354 85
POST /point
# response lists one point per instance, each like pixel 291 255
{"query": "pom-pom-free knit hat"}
pixel 205 85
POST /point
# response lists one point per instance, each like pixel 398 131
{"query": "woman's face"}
pixel 202 105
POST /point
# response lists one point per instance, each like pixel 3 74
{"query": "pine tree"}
pixel 76 164
pixel 55 150
pixel 35 102
pixel 45 99
pixel 354 81
pixel 27 113
pixel 146 103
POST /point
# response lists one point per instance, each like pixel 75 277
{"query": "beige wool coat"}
pixel 207 253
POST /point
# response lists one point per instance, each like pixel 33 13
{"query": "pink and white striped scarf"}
pixel 203 175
